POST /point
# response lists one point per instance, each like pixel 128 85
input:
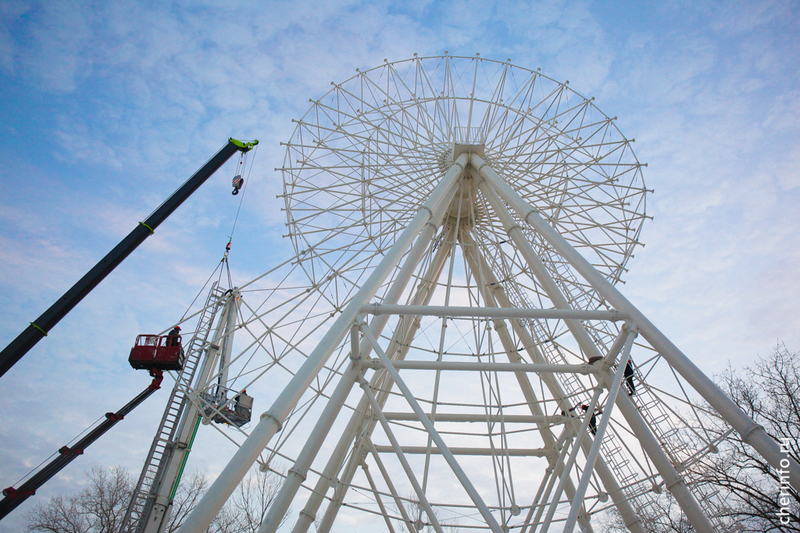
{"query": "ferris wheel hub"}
pixel 455 149
pixel 462 148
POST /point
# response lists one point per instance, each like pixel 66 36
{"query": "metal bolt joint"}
pixel 750 430
pixel 278 422
pixel 301 473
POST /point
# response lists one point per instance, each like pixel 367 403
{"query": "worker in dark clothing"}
pixel 236 401
pixel 628 375
pixel 593 420
pixel 174 336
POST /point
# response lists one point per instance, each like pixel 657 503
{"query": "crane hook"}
pixel 238 181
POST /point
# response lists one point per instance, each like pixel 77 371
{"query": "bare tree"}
pixel 249 504
pixel 189 492
pixel 422 522
pixel 758 496
pixel 751 495
pixel 663 515
pixel 100 507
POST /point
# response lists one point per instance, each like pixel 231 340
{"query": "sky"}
pixel 108 106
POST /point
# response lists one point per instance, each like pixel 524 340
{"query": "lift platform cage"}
pixel 157 351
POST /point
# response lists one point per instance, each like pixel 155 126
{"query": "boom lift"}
pixel 47 321
pixel 14 497
pixel 153 352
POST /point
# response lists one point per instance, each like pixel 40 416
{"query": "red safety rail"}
pixel 163 352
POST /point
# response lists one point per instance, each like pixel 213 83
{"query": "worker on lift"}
pixel 174 336
pixel 243 405
pixel 237 399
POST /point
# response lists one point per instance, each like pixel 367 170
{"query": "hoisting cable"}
pixel 242 168
pixel 243 157
pixel 202 290
pixel 39 328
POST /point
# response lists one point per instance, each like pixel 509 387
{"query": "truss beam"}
pixel 297 474
pixel 451 461
pixel 423 500
pixel 494 293
pixel 493 312
pixel 461 450
pixel 404 332
pixel 468 417
pixel 594 452
pixel 584 369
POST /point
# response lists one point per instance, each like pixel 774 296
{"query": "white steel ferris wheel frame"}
pixel 390 175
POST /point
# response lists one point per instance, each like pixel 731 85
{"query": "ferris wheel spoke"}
pixel 390 117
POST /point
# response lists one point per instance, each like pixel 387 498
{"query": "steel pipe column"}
pixel 539 270
pixel 297 474
pixel 683 496
pixel 591 459
pixel 423 501
pixel 451 460
pixel 272 420
pixel 423 294
pixel 497 294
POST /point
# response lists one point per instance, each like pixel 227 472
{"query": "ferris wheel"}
pixel 446 349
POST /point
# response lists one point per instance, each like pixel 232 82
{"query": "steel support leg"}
pixel 672 479
pixel 591 459
pixel 448 456
pixel 684 497
pixel 297 474
pixel 565 475
pixel 397 501
pixel 378 499
pixel 401 456
pixel 272 420
pixel 478 265
pixel 406 330
pixel 539 270
pixel 752 433
pixel 551 474
pixel 530 396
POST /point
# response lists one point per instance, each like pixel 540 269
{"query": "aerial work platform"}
pixel 157 351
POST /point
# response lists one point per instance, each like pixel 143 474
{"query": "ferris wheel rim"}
pixel 623 234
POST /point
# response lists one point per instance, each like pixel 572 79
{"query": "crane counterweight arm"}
pixel 40 328
pixel 15 496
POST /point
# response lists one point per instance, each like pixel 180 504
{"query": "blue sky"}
pixel 108 106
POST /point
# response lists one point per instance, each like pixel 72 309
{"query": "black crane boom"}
pixel 38 329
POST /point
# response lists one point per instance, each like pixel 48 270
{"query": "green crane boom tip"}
pixel 243 146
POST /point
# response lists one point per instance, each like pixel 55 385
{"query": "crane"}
pixel 152 352
pixel 53 315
